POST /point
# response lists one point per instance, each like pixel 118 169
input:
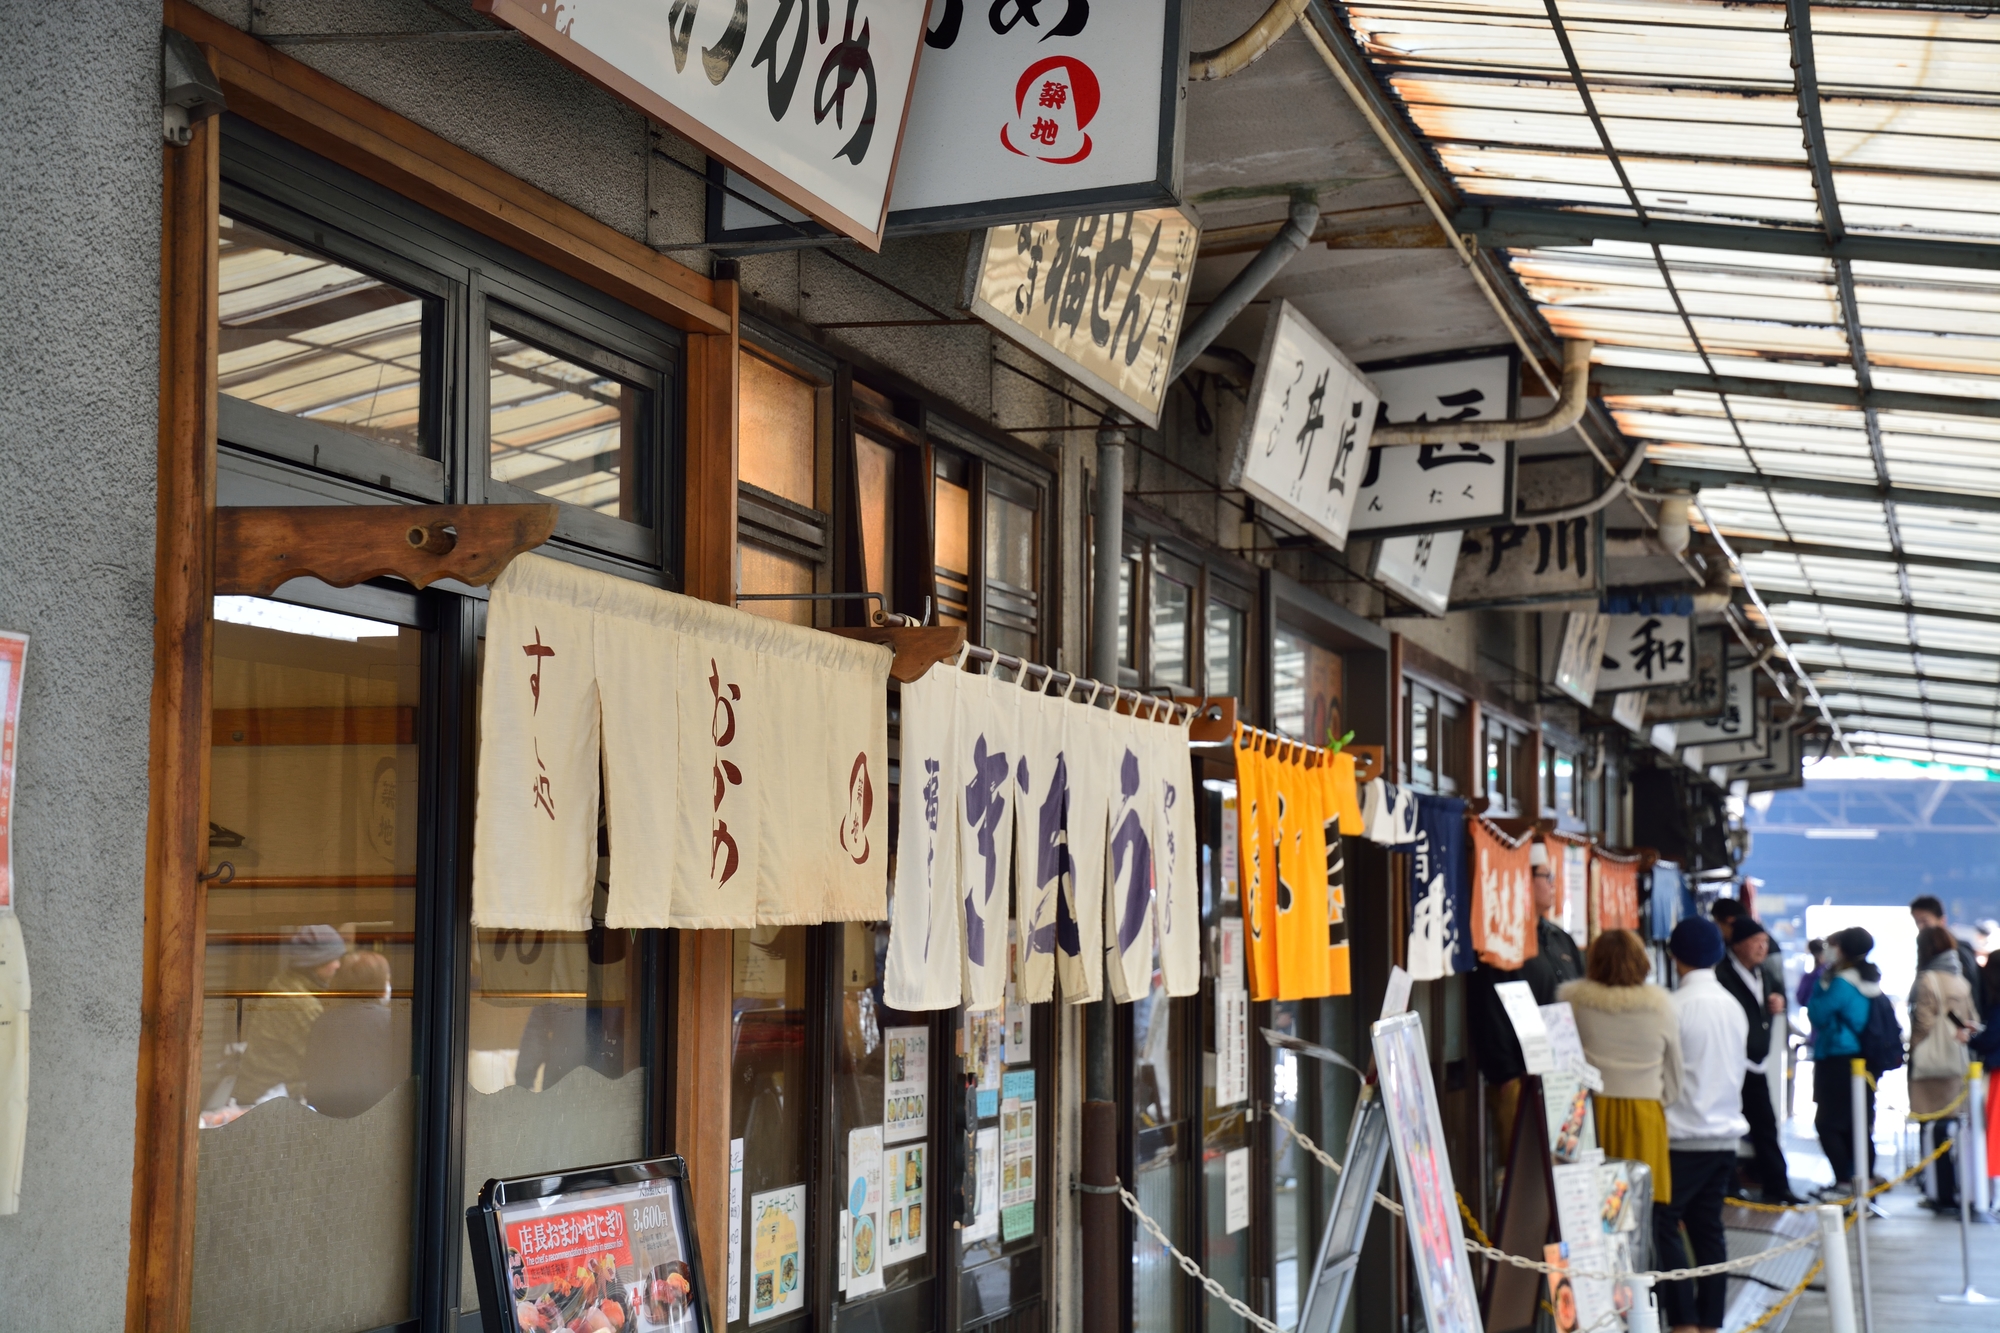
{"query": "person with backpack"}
pixel 1841 1011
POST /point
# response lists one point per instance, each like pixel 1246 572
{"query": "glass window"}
pixel 303 335
pixel 1288 682
pixel 309 972
pixel 1292 1237
pixel 761 569
pixel 1222 649
pixel 563 429
pixel 776 430
pixel 954 550
pixel 1419 708
pixel 1225 1129
pixel 1564 784
pixel 1158 1294
pixel 556 1036
pixel 875 477
pixel 1128 574
pixel 1173 632
pixel 770 1091
pixel 1011 583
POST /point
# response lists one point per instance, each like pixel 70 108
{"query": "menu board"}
pixel 610 1247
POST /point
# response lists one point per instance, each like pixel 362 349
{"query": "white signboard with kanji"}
pixel 1434 487
pixel 1306 436
pixel 1418 568
pixel 807 100
pixel 1100 297
pixel 1641 651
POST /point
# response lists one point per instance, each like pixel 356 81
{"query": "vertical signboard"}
pixel 810 105
pixel 1700 696
pixel 1307 430
pixel 1433 487
pixel 1099 297
pixel 1418 568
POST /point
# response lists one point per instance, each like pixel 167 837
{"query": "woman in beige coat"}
pixel 1630 1032
pixel 1942 995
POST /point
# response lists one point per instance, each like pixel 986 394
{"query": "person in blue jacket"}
pixel 1839 1012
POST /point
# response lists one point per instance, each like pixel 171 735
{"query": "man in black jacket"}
pixel 1743 975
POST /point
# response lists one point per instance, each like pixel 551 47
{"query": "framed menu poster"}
pixel 615 1241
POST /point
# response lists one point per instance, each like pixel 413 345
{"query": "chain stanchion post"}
pixel 1834 1275
pixel 1967 1136
pixel 1644 1316
pixel 1864 1152
pixel 1973 1138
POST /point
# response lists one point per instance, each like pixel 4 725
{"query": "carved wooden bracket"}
pixel 258 549
pixel 918 647
pixel 1215 724
pixel 1367 762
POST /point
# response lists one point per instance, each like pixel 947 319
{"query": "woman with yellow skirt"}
pixel 1630 1033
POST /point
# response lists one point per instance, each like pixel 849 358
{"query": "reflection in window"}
pixel 305 336
pixel 769 1094
pixel 1010 575
pixel 1157 1131
pixel 1173 631
pixel 1288 682
pixel 1564 784
pixel 1222 650
pixel 306 1012
pixel 1291 1214
pixel 875 479
pixel 1128 574
pixel 562 429
pixel 776 431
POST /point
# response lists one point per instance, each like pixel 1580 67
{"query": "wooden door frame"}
pixel 289 98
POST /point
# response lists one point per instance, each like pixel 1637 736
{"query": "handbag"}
pixel 1940 1054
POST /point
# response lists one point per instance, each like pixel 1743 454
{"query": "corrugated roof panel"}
pixel 1949 532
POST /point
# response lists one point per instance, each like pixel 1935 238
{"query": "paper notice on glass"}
pixel 864 1210
pixel 1017 1152
pixel 1231 889
pixel 1017 1221
pixel 13 655
pixel 1229 952
pixel 1577 1204
pixel 905 1083
pixel 1019 1084
pixel 1519 1002
pixel 986 1206
pixel 1235 1190
pixel 735 1230
pixel 1567 1111
pixel 1232 1045
pixel 777 1252
pixel 903 1221
pixel 1396 995
pixel 1017 1037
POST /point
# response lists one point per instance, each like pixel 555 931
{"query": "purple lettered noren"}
pixel 1132 856
pixel 984 806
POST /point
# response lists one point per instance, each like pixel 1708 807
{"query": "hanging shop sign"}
pixel 1440 942
pixel 1503 905
pixel 1418 568
pixel 810 110
pixel 1642 651
pixel 743 761
pixel 1436 487
pixel 1100 297
pixel 1783 767
pixel 1614 892
pixel 1700 697
pixel 1305 439
pixel 1297 802
pixel 1753 743
pixel 1520 564
pixel 601 1247
pixel 1020 111
pixel 1733 719
pixel 1580 657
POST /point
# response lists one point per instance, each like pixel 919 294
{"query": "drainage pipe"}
pixel 1258 38
pixel 1571 401
pixel 1245 286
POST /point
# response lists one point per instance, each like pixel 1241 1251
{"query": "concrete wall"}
pixel 79 336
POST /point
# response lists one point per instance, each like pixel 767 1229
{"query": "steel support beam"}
pixel 1636 380
pixel 1672 476
pixel 1522 226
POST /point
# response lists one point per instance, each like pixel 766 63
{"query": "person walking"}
pixel 1703 1126
pixel 1629 1031
pixel 1839 1013
pixel 1741 973
pixel 1941 1013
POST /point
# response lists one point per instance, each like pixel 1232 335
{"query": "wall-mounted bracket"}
pixel 918 648
pixel 258 549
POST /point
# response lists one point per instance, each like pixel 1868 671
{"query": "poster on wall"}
pixel 905 1083
pixel 1418 569
pixel 1134 266
pixel 1305 436
pixel 777 1252
pixel 903 1220
pixel 1644 651
pixel 607 1247
pixel 813 112
pixel 1436 487
pixel 13 656
pixel 1416 1135
pixel 1019 112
